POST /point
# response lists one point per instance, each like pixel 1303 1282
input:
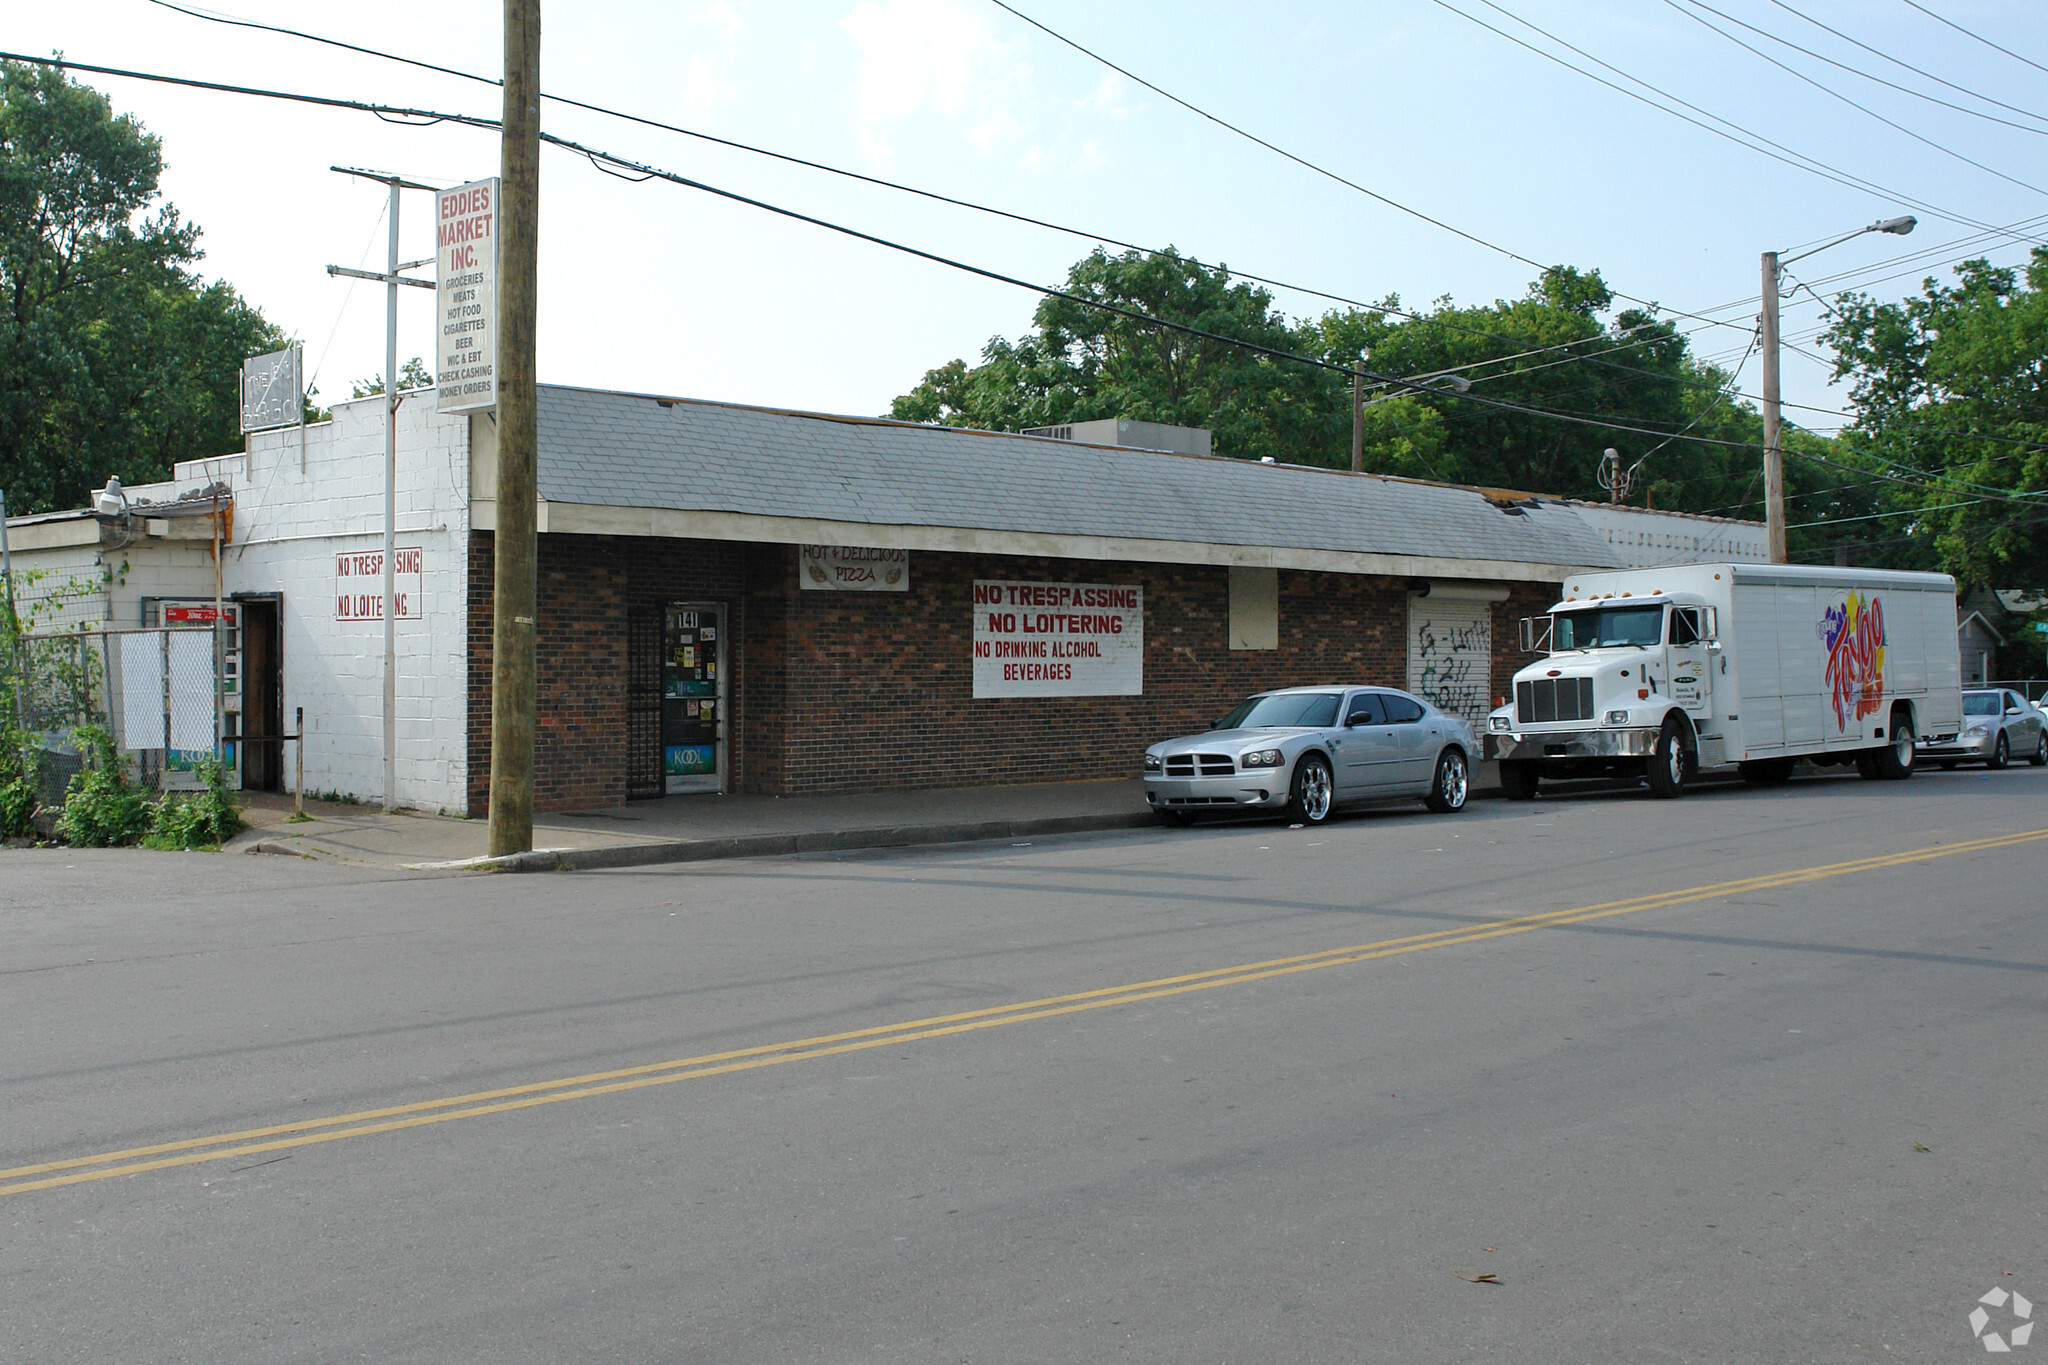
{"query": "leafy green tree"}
pixel 1954 384
pixel 114 357
pixel 1548 351
pixel 1083 363
pixel 413 374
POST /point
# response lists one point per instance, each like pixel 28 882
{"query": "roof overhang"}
pixel 563 518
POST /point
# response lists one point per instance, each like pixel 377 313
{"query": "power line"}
pixel 1979 37
pixel 1084 234
pixel 1797 160
pixel 1838 95
pixel 1908 66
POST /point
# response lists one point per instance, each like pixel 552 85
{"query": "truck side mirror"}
pixel 1536 634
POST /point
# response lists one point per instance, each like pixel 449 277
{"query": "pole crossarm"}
pixel 381 279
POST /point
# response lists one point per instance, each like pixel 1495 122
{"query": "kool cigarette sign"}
pixel 1058 640
pixel 466 347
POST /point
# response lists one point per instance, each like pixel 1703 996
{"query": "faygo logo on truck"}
pixel 1853 632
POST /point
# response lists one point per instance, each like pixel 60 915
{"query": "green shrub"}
pixel 203 819
pixel 18 773
pixel 101 808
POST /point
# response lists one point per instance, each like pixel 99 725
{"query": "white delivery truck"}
pixel 1671 671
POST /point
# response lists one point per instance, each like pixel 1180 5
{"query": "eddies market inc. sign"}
pixel 1058 639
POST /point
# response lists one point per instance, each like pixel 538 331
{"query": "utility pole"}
pixel 1774 456
pixel 1357 422
pixel 515 543
pixel 391 279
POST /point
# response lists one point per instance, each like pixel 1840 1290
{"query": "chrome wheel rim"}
pixel 1674 763
pixel 1315 791
pixel 1452 789
pixel 1902 746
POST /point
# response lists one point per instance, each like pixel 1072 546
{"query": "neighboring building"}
pixel 1645 538
pixel 746 599
pixel 1978 641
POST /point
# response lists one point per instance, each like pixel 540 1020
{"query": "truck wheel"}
pixel 1767 772
pixel 1666 769
pixel 1518 779
pixel 1309 800
pixel 2001 752
pixel 1447 793
pixel 1894 762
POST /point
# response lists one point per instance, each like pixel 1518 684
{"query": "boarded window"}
pixel 1254 608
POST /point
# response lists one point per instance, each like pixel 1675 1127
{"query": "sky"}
pixel 653 287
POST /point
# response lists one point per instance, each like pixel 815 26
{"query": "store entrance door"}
pixel 693 697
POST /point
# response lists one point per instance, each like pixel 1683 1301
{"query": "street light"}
pixel 1456 383
pixel 1774 457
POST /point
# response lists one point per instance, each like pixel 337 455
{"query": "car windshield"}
pixel 1981 704
pixel 1283 710
pixel 1599 627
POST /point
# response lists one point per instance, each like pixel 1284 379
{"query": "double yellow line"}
pixel 260 1142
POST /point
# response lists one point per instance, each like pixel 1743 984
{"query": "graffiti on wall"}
pixel 1453 662
pixel 1852 632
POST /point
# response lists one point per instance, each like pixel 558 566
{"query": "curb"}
pixel 783 845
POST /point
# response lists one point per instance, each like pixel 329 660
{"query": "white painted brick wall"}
pixel 293 514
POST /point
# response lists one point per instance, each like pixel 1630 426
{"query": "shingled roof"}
pixel 606 449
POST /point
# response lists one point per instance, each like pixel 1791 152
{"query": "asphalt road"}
pixel 1753 1076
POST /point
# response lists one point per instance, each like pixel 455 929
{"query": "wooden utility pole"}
pixel 515 543
pixel 1774 457
pixel 1357 422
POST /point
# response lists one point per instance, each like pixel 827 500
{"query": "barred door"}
pixel 643 703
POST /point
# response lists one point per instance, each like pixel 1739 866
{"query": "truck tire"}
pixel 1767 772
pixel 1518 779
pixel 1452 783
pixel 2001 752
pixel 1313 794
pixel 1667 766
pixel 1894 762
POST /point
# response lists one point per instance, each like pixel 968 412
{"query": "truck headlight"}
pixel 1499 724
pixel 1151 763
pixel 1259 758
pixel 1617 717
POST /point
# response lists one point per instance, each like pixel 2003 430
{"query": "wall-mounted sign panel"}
pixel 466 297
pixel 273 390
pixel 852 568
pixel 1058 639
pixel 359 584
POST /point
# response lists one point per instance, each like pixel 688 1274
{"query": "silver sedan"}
pixel 1998 727
pixel 1308 750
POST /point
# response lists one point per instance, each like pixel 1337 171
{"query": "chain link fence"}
pixel 156 691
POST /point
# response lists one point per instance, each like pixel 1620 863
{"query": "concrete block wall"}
pixel 294 512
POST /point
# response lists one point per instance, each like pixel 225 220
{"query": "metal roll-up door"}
pixel 1450 650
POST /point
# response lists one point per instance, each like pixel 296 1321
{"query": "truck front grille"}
pixel 1541 699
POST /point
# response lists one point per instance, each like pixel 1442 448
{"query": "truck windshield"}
pixel 1313 710
pixel 1599 627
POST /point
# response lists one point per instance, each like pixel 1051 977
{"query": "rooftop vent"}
pixel 1122 431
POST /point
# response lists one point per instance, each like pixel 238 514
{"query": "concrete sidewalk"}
pixel 680 829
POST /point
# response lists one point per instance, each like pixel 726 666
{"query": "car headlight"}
pixel 1499 723
pixel 1259 758
pixel 1151 763
pixel 1977 729
pixel 1617 717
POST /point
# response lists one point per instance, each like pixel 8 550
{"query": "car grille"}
pixel 1541 699
pixel 1200 765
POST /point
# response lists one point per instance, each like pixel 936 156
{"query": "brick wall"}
pixel 859 691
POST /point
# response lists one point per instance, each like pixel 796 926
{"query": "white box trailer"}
pixel 1671 671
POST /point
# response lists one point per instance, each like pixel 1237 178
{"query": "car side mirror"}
pixel 2014 711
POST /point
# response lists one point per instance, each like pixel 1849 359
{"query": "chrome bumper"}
pixel 1616 743
pixel 1978 746
pixel 1214 793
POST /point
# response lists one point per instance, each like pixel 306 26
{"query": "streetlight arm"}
pixel 1898 227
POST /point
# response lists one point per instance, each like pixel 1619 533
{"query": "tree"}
pixel 1548 351
pixel 413 374
pixel 114 357
pixel 1952 389
pixel 1084 363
